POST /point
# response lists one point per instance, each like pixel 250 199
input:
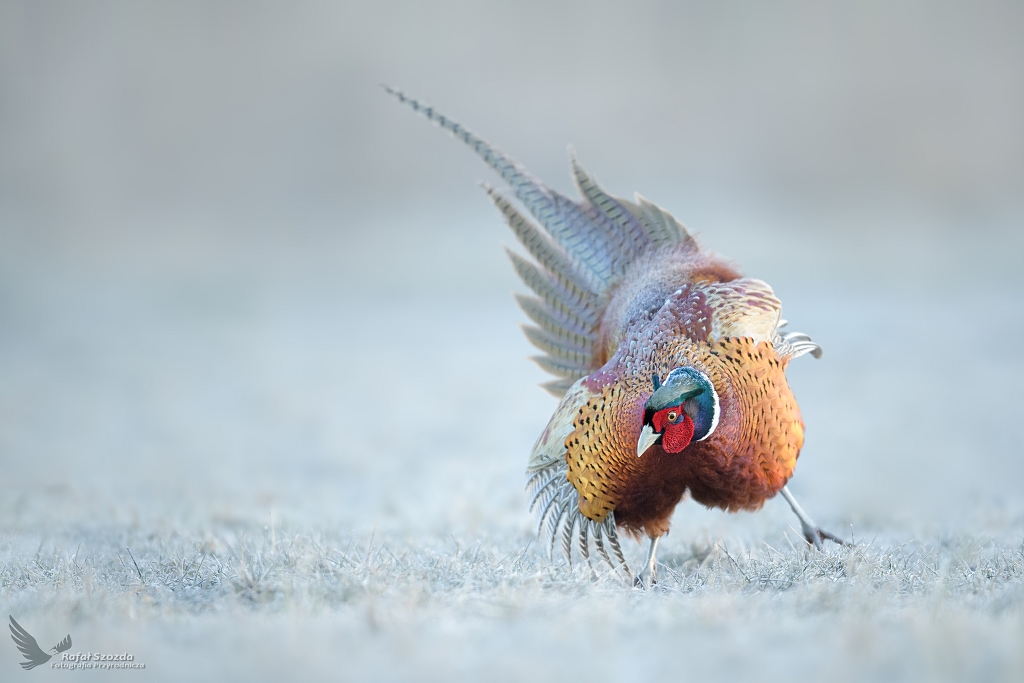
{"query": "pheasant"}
pixel 669 364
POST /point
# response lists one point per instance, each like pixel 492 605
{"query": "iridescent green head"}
pixel 684 408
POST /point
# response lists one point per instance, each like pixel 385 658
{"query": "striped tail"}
pixel 584 249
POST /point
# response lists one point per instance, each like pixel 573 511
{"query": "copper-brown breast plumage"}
pixel 752 457
pixel 747 460
pixel 601 449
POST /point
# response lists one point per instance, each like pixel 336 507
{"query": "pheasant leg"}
pixel 812 532
pixel 649 575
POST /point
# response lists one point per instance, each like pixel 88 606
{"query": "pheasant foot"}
pixel 813 533
pixel 648 577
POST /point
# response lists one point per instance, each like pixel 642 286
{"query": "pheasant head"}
pixel 683 409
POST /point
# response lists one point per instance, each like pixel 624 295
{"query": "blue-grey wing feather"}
pixel 588 246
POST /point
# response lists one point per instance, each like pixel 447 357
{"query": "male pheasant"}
pixel 670 366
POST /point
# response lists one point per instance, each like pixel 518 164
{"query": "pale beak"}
pixel 647 438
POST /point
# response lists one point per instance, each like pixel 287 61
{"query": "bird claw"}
pixel 816 535
pixel 813 533
pixel 648 578
pixel 644 582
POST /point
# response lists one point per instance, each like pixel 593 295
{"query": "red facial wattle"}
pixel 675 427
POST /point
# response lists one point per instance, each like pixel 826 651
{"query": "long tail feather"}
pixel 561 217
pixel 588 246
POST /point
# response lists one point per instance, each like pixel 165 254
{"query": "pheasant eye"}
pixel 673 416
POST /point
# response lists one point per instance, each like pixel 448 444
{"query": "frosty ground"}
pixel 270 603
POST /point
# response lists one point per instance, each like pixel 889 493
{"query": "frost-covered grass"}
pixel 289 600
pixel 281 570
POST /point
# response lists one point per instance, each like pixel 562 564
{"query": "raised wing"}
pixel 742 308
pixel 28 646
pixel 739 308
pixel 581 249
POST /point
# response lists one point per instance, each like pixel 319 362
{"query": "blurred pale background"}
pixel 237 276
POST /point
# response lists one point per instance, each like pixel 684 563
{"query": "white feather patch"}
pixel 718 409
